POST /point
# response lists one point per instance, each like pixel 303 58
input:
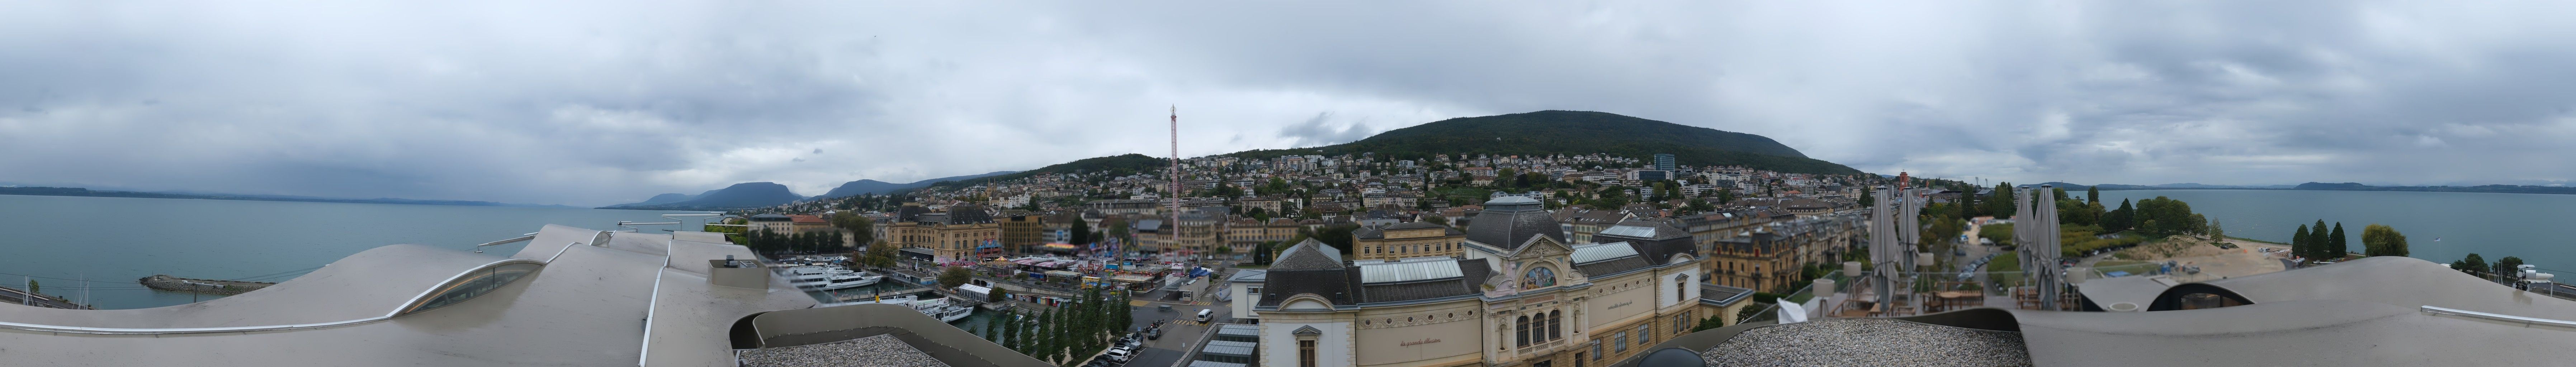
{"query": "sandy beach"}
pixel 2214 262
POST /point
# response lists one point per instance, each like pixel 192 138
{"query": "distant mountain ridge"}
pixel 75 191
pixel 741 195
pixel 1577 132
pixel 853 188
pixel 1116 165
pixel 2506 189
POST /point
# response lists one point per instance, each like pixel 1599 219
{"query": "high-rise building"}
pixel 1664 161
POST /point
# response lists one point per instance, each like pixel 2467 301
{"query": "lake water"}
pixel 2493 226
pixel 113 241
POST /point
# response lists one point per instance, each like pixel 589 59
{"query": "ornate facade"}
pixel 1517 295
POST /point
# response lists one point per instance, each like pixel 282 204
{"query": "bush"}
pixel 2002 234
pixel 954 276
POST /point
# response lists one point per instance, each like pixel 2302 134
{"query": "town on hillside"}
pixel 1242 211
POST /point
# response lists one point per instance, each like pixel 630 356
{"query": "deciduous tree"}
pixel 2472 264
pixel 2382 240
pixel 954 276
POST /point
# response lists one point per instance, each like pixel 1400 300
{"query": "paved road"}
pixel 1183 334
pixel 1155 357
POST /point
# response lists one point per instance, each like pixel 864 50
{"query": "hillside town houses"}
pixel 1447 260
pixel 1232 206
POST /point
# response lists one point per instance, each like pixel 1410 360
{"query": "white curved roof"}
pixel 2287 333
pixel 368 284
pixel 589 306
pixel 2397 281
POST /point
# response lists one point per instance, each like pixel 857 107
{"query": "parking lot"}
pixel 1182 333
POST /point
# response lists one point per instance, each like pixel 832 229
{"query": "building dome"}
pixel 1508 221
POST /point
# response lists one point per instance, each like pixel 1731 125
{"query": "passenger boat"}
pixel 943 310
pixel 848 280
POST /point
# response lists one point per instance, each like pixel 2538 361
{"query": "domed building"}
pixel 1518 295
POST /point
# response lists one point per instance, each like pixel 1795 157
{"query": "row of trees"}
pixel 772 242
pixel 1066 332
pixel 2318 243
pixel 2477 265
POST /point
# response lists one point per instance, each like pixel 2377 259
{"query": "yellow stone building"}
pixel 1517 296
pixel 944 237
pixel 1405 240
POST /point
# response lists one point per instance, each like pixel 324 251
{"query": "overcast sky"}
pixel 608 102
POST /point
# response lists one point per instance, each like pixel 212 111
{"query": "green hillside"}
pixel 1577 132
pixel 1534 133
pixel 1117 165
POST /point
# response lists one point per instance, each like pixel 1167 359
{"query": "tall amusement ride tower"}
pixel 1175 191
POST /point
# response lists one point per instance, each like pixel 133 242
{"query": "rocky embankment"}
pixel 177 284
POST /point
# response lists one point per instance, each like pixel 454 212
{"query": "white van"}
pixel 1205 314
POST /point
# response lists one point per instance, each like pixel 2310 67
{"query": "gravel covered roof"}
pixel 1869 342
pixel 881 350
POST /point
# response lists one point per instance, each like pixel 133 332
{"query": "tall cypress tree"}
pixel 2093 194
pixel 2335 242
pixel 2317 242
pixel 1092 319
pixel 2121 219
pixel 1010 320
pixel 1123 318
pixel 2299 243
pixel 993 329
pixel 1046 343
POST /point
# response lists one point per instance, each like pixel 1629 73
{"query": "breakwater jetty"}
pixel 177 284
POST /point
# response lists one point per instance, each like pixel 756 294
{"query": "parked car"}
pixel 1154 333
pixel 1119 355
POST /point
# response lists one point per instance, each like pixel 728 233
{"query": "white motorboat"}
pixel 943 310
pixel 938 308
pixel 848 280
pixel 809 274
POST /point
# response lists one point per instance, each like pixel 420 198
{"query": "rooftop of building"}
pixel 572 289
pixel 2376 311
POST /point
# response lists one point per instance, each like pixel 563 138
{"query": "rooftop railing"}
pixel 2525 321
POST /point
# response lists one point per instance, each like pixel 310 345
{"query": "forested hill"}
pixel 1576 132
pixel 1534 133
pixel 1116 165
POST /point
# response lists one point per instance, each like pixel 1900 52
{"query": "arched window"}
pixel 1555 325
pixel 1521 333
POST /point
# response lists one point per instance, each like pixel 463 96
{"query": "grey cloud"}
pixel 602 102
pixel 1318 131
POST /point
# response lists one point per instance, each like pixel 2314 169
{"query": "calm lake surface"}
pixel 113 241
pixel 2531 226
